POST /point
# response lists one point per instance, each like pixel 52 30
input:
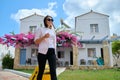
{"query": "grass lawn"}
pixel 106 74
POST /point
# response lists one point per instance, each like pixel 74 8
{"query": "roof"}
pixel 98 41
pixel 92 40
pixel 92 12
pixel 31 15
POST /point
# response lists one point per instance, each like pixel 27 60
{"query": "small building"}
pixel 95 36
pixel 26 57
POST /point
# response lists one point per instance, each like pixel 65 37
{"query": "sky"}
pixel 11 11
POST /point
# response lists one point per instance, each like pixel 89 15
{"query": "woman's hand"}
pixel 39 40
pixel 47 35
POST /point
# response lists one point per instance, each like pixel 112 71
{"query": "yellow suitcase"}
pixel 46 75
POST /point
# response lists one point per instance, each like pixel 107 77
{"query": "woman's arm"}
pixel 39 40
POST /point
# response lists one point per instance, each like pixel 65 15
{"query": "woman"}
pixel 45 37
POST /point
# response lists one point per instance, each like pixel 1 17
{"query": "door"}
pixel 102 55
pixel 71 57
pixel 22 56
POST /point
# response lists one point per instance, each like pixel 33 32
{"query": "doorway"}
pixel 102 55
pixel 71 57
pixel 22 56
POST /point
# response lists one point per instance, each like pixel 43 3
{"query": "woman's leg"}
pixel 41 64
pixel 52 63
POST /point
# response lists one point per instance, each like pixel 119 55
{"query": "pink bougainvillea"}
pixel 1 40
pixel 67 39
pixel 64 39
pixel 18 40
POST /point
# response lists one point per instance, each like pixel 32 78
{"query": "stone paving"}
pixel 4 75
pixel 13 75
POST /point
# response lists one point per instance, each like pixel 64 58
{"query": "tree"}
pixel 7 61
pixel 116 51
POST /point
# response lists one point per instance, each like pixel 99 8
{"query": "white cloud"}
pixel 116 17
pixel 74 8
pixel 88 3
pixel 109 7
pixel 52 4
pixel 26 12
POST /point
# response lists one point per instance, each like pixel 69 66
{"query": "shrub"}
pixel 7 62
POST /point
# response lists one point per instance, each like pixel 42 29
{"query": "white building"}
pixel 29 24
pixel 95 30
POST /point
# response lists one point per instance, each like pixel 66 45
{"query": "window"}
pixel 32 29
pixel 60 54
pixel 94 28
pixel 34 52
pixel 92 52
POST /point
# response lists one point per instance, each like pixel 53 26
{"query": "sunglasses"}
pixel 50 19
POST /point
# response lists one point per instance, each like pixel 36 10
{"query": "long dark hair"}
pixel 45 24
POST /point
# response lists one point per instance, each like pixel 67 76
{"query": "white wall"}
pixel 4 50
pixel 83 25
pixel 34 20
pixel 66 54
pixel 83 53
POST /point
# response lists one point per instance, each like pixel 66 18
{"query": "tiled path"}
pixel 4 75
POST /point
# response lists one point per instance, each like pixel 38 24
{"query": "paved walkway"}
pixel 16 75
pixel 5 75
